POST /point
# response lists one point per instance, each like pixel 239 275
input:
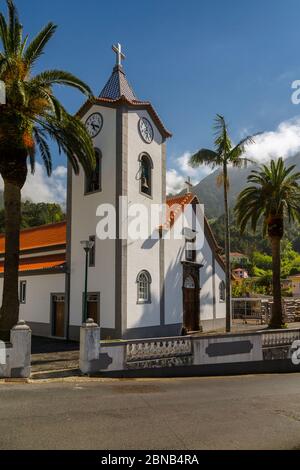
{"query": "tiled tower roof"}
pixel 118 86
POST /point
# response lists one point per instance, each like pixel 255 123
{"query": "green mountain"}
pixel 212 196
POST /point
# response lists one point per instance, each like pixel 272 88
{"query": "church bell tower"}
pixel 129 140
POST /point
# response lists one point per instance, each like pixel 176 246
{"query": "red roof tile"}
pixel 180 202
pixel 40 237
pixel 35 263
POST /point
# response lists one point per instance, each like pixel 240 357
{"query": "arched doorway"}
pixel 191 302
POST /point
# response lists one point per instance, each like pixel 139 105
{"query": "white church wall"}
pixel 205 258
pixel 141 254
pixel 84 221
pixel 220 305
pixel 174 254
pixel 38 296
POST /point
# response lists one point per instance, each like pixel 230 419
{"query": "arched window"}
pixel 143 287
pixel 146 174
pixel 93 181
pixel 189 283
pixel 222 291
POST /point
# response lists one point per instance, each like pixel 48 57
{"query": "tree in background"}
pixel 274 194
pixel 42 213
pixel 31 114
pixel 222 156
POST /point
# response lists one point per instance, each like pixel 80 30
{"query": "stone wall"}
pixel 227 349
pixel 187 354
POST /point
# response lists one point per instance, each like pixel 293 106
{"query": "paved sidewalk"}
pixel 54 355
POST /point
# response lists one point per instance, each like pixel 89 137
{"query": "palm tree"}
pixel 225 154
pixel 31 115
pixel 273 195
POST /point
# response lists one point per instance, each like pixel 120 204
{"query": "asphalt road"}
pixel 249 412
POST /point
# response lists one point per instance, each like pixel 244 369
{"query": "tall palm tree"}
pixel 273 195
pixel 31 115
pixel 224 155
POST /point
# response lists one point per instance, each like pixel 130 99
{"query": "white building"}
pixel 143 288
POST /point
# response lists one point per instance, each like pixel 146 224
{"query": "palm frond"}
pixel 14 28
pixel 4 33
pixel 222 140
pixel 60 77
pixel 204 157
pixel 36 47
pixel 44 149
pixel 31 152
pixel 275 193
pixel 237 151
pixel 72 138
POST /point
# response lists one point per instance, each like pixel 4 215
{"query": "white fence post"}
pixel 89 345
pixel 20 362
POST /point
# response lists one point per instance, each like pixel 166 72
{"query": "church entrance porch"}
pixel 191 296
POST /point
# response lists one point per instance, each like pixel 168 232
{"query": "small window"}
pixel 92 252
pixel 222 291
pixel 190 252
pixel 143 287
pixel 93 181
pixel 23 292
pixel 146 175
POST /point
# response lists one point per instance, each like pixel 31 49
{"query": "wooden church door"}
pixel 191 302
pixel 58 316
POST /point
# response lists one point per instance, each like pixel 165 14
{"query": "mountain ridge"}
pixel 211 195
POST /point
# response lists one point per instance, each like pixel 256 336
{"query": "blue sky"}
pixel 191 59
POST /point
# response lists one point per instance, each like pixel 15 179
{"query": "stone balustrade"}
pixel 279 338
pixel 158 348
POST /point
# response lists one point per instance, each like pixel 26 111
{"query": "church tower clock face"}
pixel 146 130
pixel 94 124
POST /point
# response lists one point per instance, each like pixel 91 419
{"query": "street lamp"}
pixel 87 245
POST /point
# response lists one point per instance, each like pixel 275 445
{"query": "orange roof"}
pixel 240 255
pixel 180 202
pixel 40 237
pixel 39 262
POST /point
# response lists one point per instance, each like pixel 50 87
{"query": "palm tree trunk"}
pixel 277 317
pixel 9 312
pixel 227 252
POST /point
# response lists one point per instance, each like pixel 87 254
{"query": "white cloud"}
pixel 177 176
pixel 283 142
pixel 60 171
pixel 183 164
pixel 40 188
pixel 175 182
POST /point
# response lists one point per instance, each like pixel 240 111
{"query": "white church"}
pixel 140 289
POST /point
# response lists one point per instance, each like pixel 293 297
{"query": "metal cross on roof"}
pixel 120 56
